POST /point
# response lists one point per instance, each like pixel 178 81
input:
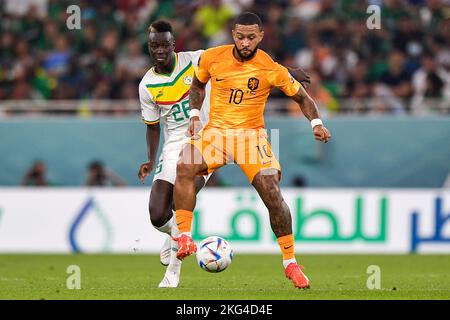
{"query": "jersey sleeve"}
pixel 149 110
pixel 282 79
pixel 195 56
pixel 202 68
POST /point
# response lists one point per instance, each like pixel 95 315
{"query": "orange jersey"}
pixel 239 90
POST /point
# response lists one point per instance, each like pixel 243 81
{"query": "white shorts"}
pixel 166 168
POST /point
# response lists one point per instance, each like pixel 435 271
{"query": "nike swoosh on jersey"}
pixel 217 79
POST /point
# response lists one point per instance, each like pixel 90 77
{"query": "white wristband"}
pixel 316 122
pixel 194 113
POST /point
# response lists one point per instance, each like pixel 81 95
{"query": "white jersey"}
pixel 166 97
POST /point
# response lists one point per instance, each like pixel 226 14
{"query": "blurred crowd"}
pixel 97 175
pixel 399 65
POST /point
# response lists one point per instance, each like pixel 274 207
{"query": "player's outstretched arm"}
pixel 196 97
pixel 310 110
pixel 152 135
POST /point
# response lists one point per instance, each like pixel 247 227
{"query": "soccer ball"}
pixel 214 254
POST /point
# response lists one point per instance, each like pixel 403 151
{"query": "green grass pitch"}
pixel 137 276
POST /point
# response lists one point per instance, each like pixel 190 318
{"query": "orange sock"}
pixel 184 220
pixel 286 244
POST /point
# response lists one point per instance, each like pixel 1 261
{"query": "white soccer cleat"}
pixel 171 280
pixel 164 254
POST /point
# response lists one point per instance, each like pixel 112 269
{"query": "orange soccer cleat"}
pixel 186 246
pixel 294 272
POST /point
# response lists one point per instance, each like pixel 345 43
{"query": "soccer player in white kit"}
pixel 164 94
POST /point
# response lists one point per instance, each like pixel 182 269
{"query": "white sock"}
pixel 167 227
pixel 174 228
pixel 288 262
pixel 174 264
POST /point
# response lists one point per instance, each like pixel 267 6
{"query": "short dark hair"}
pixel 248 18
pixel 160 26
pixel 96 165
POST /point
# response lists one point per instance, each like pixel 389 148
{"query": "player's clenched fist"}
pixel 194 128
pixel 144 170
pixel 321 133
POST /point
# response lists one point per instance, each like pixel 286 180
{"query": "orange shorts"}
pixel 249 149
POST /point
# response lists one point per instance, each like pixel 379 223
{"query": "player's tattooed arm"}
pixel 196 97
pixel 307 104
pixel 310 110
pixel 152 137
pixel 196 93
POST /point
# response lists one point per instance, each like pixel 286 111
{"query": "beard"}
pixel 251 55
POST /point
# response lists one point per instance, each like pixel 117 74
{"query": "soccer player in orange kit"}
pixel 241 78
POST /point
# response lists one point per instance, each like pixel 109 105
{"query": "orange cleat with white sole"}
pixel 294 272
pixel 186 246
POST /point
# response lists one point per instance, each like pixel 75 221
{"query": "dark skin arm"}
pixel 152 135
pixel 301 76
pixel 310 110
pixel 196 97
